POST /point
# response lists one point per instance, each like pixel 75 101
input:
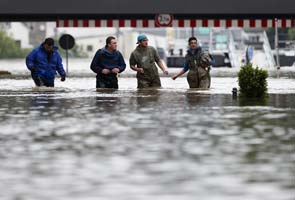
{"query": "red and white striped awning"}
pixel 150 23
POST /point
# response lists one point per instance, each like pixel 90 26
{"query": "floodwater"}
pixel 74 143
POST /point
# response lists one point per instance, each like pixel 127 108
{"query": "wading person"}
pixel 249 55
pixel 198 64
pixel 43 62
pixel 142 60
pixel 107 63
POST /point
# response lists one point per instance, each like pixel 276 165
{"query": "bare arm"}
pixel 159 62
pixel 179 74
pixel 184 69
pixel 163 68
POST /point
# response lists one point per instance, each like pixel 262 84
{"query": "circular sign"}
pixel 66 41
pixel 163 20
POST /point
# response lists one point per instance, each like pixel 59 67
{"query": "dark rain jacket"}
pixel 44 66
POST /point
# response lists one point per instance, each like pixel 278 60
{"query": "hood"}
pixel 109 54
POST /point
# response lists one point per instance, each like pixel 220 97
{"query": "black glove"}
pixel 63 78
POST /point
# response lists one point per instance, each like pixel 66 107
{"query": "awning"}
pixel 150 23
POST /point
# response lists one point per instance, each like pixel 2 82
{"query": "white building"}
pixel 92 39
pixel 19 32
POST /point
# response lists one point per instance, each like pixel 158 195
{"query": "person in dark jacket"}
pixel 43 62
pixel 198 64
pixel 249 54
pixel 107 63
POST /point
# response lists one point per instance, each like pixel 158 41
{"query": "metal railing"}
pixel 233 56
pixel 268 52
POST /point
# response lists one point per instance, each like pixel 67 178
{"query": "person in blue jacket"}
pixel 198 63
pixel 43 62
pixel 107 63
pixel 249 54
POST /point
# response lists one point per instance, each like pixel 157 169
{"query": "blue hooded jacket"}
pixel 39 65
pixel 104 59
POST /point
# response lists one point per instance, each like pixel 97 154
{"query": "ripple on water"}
pixel 170 143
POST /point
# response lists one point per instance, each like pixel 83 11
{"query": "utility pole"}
pixel 277 43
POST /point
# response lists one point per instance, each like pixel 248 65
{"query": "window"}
pixel 89 48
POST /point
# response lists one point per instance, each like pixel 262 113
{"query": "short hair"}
pixel 191 39
pixel 49 41
pixel 109 39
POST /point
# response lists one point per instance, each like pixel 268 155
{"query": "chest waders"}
pixel 193 74
pixel 197 76
pixel 150 77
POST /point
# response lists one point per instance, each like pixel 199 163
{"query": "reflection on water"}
pixel 142 144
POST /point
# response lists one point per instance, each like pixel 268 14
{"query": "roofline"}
pixel 54 17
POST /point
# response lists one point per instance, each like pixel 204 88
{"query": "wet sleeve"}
pixel 95 63
pixel 122 65
pixel 185 65
pixel 30 60
pixel 132 60
pixel 59 66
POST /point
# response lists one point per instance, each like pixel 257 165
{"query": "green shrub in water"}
pixel 252 81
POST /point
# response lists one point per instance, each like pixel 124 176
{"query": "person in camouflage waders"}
pixel 198 63
pixel 142 60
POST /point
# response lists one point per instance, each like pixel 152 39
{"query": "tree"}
pixel 291 34
pixel 9 48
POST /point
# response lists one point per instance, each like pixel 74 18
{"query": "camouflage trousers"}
pixel 150 78
pixel 199 78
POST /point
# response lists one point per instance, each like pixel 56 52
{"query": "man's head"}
pixel 192 42
pixel 111 43
pixel 48 45
pixel 142 40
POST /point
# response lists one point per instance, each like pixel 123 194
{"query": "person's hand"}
pixel 115 70
pixel 174 77
pixel 63 78
pixel 165 71
pixel 105 71
pixel 140 70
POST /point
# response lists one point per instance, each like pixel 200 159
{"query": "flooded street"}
pixel 171 143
